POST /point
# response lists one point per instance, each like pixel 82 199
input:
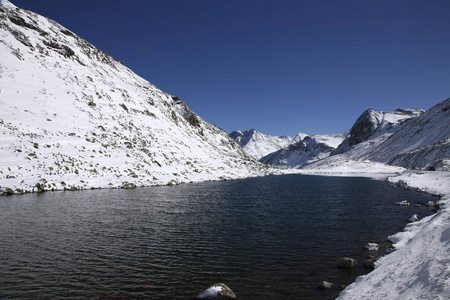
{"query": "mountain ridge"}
pixel 408 138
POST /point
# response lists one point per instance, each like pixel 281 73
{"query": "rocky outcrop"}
pixel 372 123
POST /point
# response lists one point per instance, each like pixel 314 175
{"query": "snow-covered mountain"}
pixel 74 117
pixel 372 124
pixel 409 138
pixel 298 154
pixel 258 144
pixel 421 141
pixel 287 151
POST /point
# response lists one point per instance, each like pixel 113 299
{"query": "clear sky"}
pixel 280 67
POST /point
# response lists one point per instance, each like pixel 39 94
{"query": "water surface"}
pixel 267 238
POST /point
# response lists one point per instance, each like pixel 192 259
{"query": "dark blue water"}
pixel 267 238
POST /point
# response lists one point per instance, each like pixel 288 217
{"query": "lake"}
pixel 273 237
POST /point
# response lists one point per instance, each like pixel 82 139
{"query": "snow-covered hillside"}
pixel 420 142
pixel 74 117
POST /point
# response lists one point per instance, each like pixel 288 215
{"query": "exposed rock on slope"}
pixel 74 117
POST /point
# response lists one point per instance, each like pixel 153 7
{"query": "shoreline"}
pixel 419 268
pixel 43 185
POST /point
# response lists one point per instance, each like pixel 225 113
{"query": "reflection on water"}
pixel 267 238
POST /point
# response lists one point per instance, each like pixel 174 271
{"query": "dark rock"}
pixel 7 191
pixel 347 263
pixel 21 38
pixel 217 291
pixel 369 264
pixel 62 49
pixel 129 185
pixel 193 120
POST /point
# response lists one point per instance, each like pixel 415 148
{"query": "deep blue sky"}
pixel 278 66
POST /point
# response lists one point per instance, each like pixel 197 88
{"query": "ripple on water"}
pixel 267 238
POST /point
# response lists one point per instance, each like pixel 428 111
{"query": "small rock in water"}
pixel 403 203
pixel 414 218
pixel 372 246
pixel 325 285
pixel 370 263
pixel 217 291
pixel 430 203
pixel 346 263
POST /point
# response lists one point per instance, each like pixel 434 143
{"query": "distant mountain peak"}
pixel 258 144
pixel 287 151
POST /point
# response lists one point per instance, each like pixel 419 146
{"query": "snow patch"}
pixel 211 292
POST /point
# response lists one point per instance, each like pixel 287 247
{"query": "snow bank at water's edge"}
pixel 420 267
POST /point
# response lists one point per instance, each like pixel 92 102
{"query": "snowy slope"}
pixel 74 117
pixel 258 144
pixel 421 142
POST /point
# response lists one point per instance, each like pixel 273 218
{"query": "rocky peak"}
pixel 372 123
